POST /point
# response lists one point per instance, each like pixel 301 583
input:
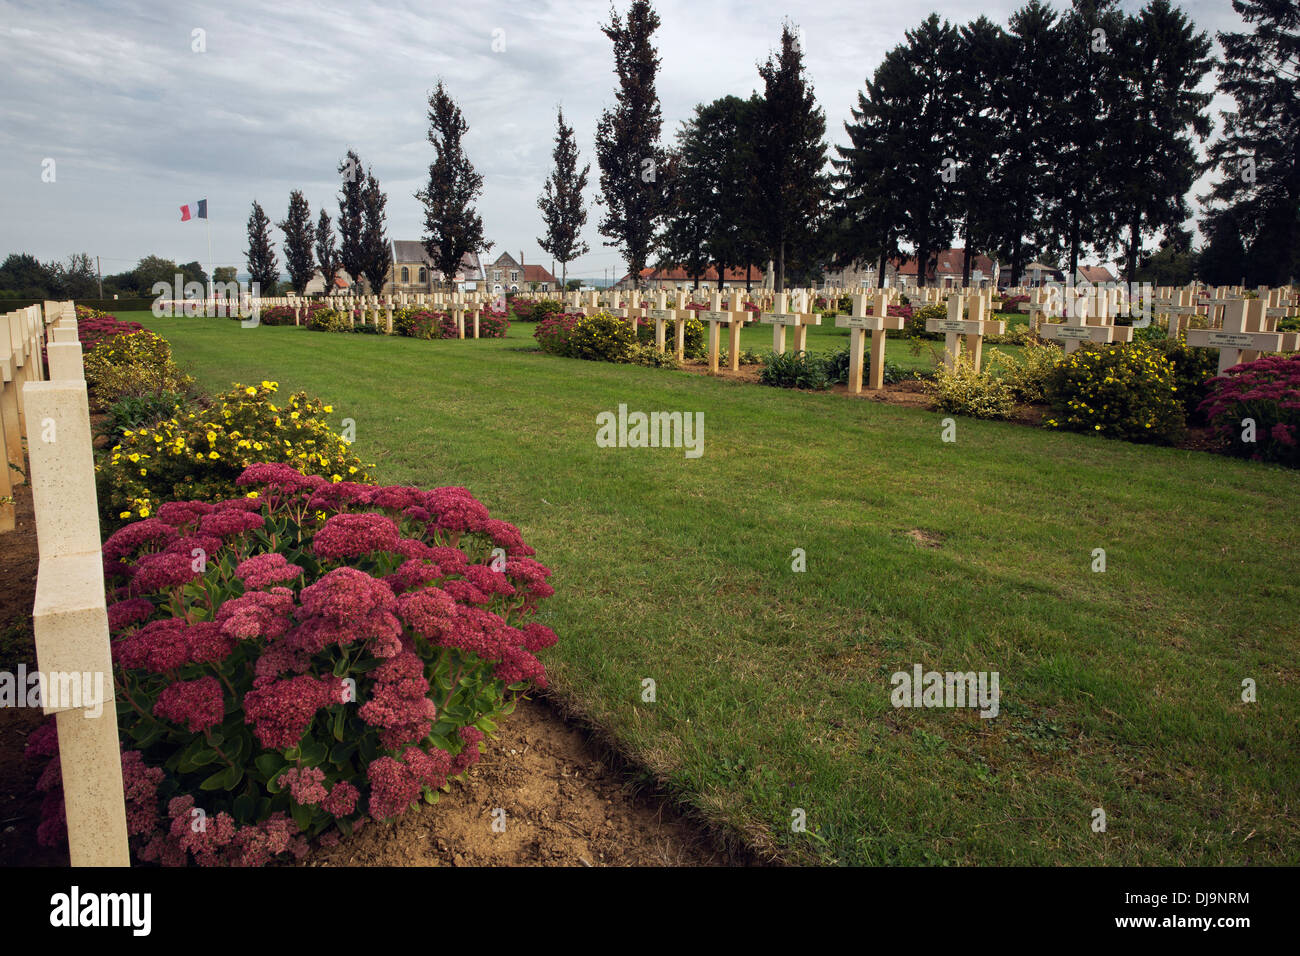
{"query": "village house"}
pixel 413 270
pixel 946 271
pixel 676 278
pixel 508 274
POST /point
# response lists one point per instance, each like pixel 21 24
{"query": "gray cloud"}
pixel 138 124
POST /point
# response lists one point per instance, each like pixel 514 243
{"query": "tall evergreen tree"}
pixel 452 226
pixel 262 265
pixel 1032 81
pixel 1258 156
pixel 1165 60
pixel 298 236
pixel 688 212
pixel 561 202
pixel 1084 175
pixel 921 74
pixel 792 182
pixel 376 252
pixel 868 188
pixel 983 48
pixel 1224 260
pixel 327 253
pixel 725 150
pixel 627 141
pixel 352 217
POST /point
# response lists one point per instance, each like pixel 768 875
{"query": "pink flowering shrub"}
pixel 1267 391
pixel 553 332
pixel 428 324
pixel 290 665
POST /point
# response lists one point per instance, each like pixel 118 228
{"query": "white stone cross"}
pixel 799 320
pixel 1234 336
pixel 974 329
pixel 858 323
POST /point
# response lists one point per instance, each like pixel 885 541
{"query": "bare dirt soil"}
pixel 566 800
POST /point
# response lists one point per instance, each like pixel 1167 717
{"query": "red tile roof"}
pixel 948 263
pixel 538 274
pixel 679 274
pixel 1096 273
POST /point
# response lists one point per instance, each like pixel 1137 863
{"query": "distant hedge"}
pixel 103 305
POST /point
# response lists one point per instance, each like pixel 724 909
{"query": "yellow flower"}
pixel 329 408
pixel 211 454
pixel 253 494
pixel 250 390
pixel 125 514
pixel 336 478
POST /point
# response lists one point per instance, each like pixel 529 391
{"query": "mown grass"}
pixel 1120 690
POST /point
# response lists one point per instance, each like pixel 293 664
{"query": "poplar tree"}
pixel 791 155
pixel 452 226
pixel 376 253
pixel 327 254
pixel 351 212
pixel 561 202
pixel 627 141
pixel 298 236
pixel 260 253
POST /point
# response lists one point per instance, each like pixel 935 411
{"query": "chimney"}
pixel 521 257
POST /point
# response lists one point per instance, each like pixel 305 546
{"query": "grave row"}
pixel 43 403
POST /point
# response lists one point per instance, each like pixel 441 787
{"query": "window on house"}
pixel 406 275
pixel 424 275
pixel 496 275
pixel 514 275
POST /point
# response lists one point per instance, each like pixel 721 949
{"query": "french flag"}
pixel 198 211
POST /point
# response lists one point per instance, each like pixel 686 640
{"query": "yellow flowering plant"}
pixel 198 453
pixel 1121 391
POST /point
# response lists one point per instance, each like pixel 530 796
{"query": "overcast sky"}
pixel 138 124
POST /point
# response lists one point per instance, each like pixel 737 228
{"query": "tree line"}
pixel 1057 135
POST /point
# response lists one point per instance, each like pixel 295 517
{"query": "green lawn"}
pixel 1120 690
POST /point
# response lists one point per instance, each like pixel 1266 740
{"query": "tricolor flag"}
pixel 199 211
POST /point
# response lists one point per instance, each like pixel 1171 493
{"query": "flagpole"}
pixel 211 285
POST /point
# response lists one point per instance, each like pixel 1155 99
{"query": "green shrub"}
pixel 138 411
pixel 328 320
pixel 542 308
pixel 1121 391
pixel 696 345
pixel 1027 376
pixel 914 327
pixel 963 391
pixel 651 357
pixel 795 370
pixel 601 337
pixel 1193 367
pixel 132 364
pixel 747 357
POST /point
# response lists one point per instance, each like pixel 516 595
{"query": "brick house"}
pixel 508 274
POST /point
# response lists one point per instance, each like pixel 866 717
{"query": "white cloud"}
pixel 140 124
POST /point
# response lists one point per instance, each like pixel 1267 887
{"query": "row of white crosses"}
pixel 70 614
pixel 20 362
pixel 780 319
pixel 1089 317
pixel 972 328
